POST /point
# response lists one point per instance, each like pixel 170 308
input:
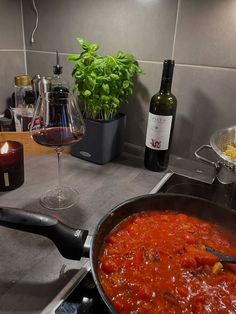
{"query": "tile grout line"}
pixel 5 50
pixel 23 35
pixel 175 33
pixel 139 60
pixel 144 61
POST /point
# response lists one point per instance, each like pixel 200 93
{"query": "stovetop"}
pixel 222 194
pixel 85 297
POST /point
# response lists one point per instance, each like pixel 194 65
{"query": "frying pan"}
pixel 71 242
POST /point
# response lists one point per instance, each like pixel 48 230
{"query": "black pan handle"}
pixel 69 241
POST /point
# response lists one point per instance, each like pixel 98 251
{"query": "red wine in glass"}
pixel 56 136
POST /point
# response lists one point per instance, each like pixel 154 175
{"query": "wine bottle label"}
pixel 158 131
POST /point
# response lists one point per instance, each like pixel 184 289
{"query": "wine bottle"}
pixel 161 120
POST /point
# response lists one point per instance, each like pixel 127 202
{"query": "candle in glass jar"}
pixel 11 165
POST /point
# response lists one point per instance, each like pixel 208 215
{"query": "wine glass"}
pixel 57 122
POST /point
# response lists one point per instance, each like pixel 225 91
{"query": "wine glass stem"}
pixel 59 153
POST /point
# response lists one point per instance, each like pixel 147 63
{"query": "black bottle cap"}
pixel 57 69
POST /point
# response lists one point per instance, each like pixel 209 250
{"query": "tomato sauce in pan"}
pixel 156 262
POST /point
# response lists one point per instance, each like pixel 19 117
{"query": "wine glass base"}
pixel 57 199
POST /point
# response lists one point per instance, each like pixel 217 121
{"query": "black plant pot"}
pixel 103 140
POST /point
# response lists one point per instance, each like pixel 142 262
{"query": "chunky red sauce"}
pixel 156 262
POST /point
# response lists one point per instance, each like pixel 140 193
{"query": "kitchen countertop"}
pixel 32 271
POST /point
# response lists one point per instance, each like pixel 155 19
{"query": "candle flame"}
pixel 4 148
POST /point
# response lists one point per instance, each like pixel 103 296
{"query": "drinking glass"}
pixel 57 122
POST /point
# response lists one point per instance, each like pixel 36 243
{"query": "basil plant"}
pixel 103 83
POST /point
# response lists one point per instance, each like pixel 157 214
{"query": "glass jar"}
pixel 24 102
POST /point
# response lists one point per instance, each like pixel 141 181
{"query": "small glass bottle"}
pixel 58 84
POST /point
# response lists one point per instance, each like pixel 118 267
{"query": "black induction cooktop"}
pixel 85 297
pixel 222 194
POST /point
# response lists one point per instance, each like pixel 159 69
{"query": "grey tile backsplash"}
pixel 11 64
pixel 145 28
pixel 11 48
pixel 206 33
pixel 11 25
pixel 199 35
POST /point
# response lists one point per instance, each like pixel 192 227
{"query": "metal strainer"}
pixel 219 141
pixel 225 167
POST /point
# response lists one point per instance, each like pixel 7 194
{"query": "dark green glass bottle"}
pixel 161 121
